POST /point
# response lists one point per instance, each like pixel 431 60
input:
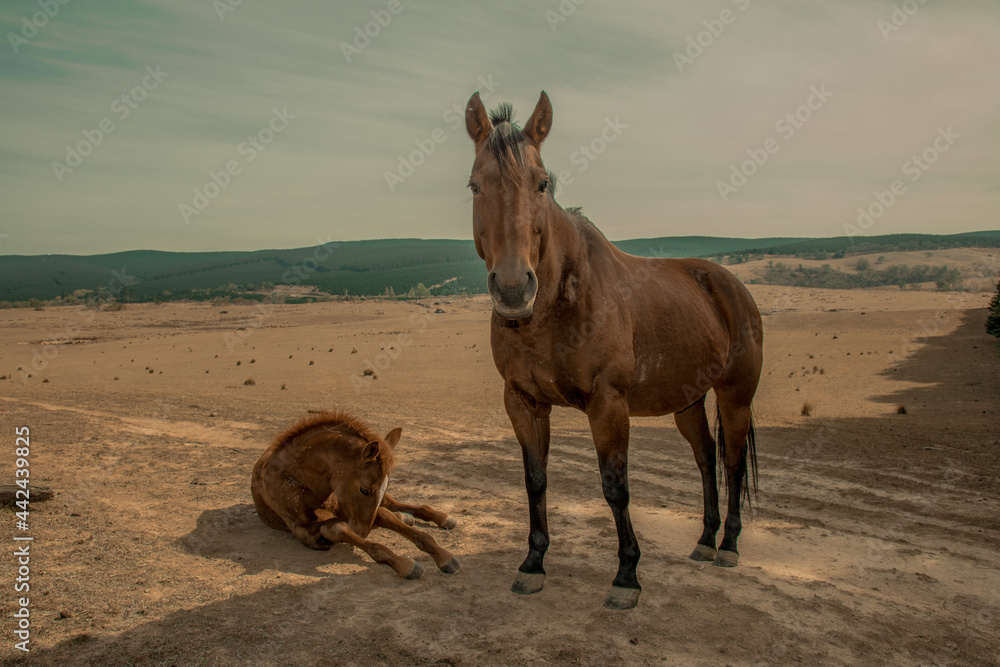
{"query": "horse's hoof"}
pixel 526 584
pixel 622 598
pixel 451 567
pixel 405 518
pixel 703 553
pixel 726 559
pixel 449 523
pixel 416 572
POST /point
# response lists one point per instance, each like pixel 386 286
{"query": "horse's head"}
pixel 359 492
pixel 511 195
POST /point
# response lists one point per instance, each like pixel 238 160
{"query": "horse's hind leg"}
pixel 422 512
pixel 445 561
pixel 693 425
pixel 735 429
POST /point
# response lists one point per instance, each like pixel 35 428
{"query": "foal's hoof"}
pixel 416 572
pixel 451 567
pixel 449 523
pixel 726 559
pixel 526 584
pixel 622 598
pixel 405 518
pixel 703 553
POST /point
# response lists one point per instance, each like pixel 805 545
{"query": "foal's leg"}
pixel 297 506
pixel 693 425
pixel 531 426
pixel 445 561
pixel 735 426
pixel 422 512
pixel 339 531
pixel 609 423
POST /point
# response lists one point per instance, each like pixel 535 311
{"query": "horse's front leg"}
pixel 339 531
pixel 609 423
pixel 446 562
pixel 531 426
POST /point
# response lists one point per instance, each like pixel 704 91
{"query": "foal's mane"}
pixel 341 423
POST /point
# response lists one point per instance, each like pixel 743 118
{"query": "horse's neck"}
pixel 570 246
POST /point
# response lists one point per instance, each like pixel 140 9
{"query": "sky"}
pixel 244 124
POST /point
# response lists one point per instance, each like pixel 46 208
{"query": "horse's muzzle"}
pixel 514 299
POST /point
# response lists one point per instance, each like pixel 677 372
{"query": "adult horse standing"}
pixel 576 322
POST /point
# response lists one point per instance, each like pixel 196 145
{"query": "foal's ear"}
pixel 540 122
pixel 371 451
pixel 392 437
pixel 477 121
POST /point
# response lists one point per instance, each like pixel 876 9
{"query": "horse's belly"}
pixel 660 389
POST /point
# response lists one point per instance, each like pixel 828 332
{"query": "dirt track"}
pixel 875 541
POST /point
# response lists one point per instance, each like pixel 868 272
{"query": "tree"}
pixel 862 264
pixel 993 317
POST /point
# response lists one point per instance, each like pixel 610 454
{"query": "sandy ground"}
pixel 875 540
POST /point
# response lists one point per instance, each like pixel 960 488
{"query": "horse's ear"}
pixel 371 451
pixel 540 122
pixel 392 437
pixel 477 121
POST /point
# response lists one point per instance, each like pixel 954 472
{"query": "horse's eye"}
pixel 543 186
pixel 474 187
pixel 365 492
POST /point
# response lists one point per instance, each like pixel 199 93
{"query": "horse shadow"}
pixel 236 534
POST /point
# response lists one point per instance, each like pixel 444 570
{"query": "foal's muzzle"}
pixel 513 296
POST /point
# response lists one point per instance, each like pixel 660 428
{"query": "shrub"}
pixel 993 317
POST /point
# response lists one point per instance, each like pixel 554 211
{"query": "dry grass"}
pixel 807 409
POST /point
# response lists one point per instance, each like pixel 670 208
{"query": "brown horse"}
pixel 578 323
pixel 324 480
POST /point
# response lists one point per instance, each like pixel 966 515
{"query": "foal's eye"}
pixel 474 187
pixel 543 186
pixel 365 492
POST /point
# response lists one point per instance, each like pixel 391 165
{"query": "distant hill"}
pixel 372 267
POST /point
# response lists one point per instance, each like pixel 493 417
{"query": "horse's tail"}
pixel 750 463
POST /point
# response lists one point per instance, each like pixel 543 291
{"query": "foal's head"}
pixel 360 485
pixel 511 194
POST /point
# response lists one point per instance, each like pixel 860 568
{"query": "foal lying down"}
pixel 324 480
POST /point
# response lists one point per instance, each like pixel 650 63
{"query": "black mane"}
pixel 506 140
